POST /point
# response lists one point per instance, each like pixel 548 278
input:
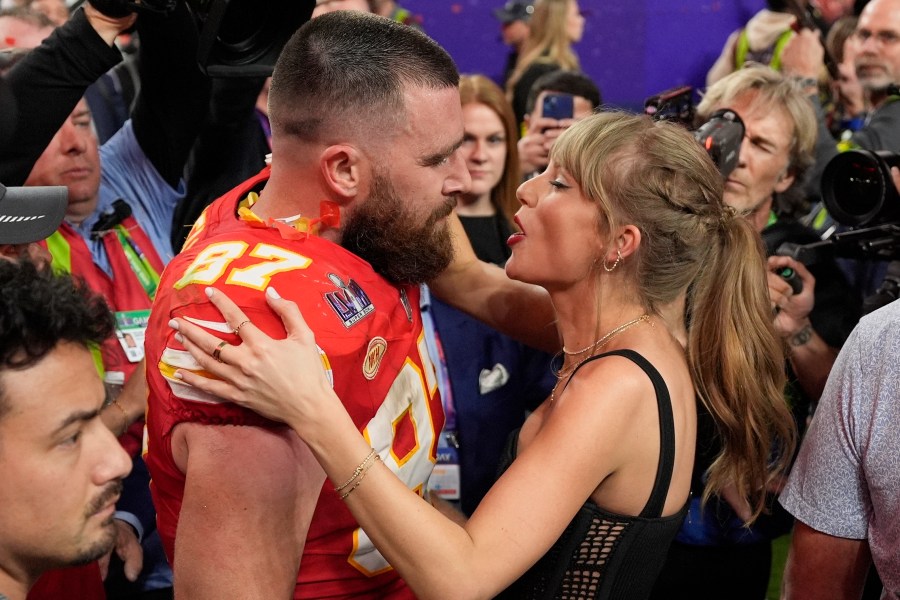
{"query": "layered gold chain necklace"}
pixel 596 345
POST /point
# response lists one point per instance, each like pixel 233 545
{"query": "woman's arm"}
pixel 583 442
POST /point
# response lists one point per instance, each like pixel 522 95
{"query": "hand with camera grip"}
pixel 791 308
pixel 811 357
pixel 108 28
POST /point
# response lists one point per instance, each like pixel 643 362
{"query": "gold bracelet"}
pixel 358 471
pixel 359 481
pixel 115 402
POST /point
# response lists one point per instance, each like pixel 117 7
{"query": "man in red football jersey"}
pixel 366 124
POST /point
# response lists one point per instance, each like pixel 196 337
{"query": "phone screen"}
pixel 557 106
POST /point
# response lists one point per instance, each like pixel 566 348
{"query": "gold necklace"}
pixel 606 337
pixel 596 345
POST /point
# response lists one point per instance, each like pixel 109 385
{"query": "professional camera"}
pixel 721 135
pixel 675 105
pixel 857 188
pixel 238 38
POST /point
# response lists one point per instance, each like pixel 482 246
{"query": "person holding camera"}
pixel 877 63
pixel 715 555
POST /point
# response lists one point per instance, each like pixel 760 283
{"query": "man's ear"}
pixel 785 180
pixel 344 170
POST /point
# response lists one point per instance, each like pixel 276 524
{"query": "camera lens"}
pixel 857 188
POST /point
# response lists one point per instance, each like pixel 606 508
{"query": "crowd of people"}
pixel 372 328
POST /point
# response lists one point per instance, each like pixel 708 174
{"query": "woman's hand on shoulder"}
pixel 283 380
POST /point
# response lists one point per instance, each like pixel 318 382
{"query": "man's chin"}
pixel 103 544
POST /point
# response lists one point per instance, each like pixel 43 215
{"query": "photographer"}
pixel 714 555
pixel 877 65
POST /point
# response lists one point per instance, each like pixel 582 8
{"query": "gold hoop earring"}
pixel 615 264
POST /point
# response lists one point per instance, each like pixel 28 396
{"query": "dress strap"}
pixel 657 500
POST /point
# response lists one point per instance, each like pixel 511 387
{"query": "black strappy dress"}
pixel 602 554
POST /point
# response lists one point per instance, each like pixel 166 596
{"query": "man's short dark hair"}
pixel 564 82
pixel 38 310
pixel 346 71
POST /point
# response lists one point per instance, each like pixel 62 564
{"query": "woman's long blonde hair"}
pixel 656 176
pixel 548 41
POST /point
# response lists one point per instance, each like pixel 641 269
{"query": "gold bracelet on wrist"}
pixel 361 477
pixel 115 402
pixel 358 471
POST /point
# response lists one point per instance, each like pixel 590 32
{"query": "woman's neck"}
pixel 579 320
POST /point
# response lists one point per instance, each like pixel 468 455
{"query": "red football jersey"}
pixel 370 335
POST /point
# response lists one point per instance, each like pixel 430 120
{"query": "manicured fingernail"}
pixel 179 338
pixel 178 375
pixel 173 324
pixel 209 292
pixel 272 293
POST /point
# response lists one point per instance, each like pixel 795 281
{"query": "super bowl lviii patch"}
pixel 349 301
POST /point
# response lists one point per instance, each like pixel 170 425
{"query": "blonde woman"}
pixel 555 26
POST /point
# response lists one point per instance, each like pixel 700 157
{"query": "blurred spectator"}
pixel 392 10
pixel 540 131
pixel 514 17
pixel 761 40
pixel 56 10
pixel 554 27
pixel 831 11
pixel 877 63
pixel 23 27
pixel 849 101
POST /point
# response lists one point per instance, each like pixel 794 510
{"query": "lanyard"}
pixel 142 268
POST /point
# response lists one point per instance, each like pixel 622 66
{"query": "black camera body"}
pixel 720 135
pixel 792 279
pixel 237 38
pixel 857 188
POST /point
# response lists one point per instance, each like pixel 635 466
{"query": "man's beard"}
pixel 107 541
pixel 397 244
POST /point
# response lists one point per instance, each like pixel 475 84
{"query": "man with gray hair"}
pixel 351 215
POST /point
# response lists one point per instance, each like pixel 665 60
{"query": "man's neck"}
pixel 877 98
pixel 759 216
